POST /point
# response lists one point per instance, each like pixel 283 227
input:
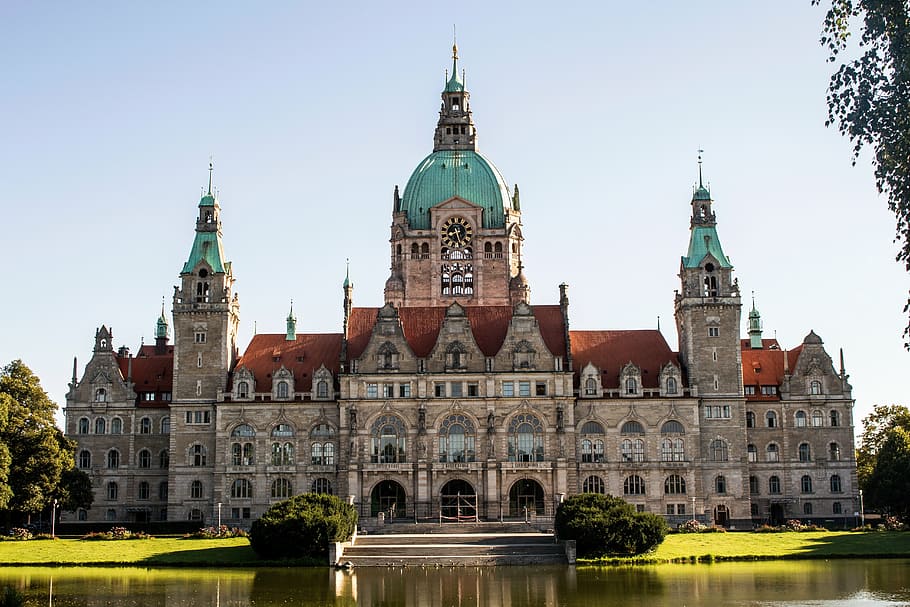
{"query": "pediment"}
pixel 455 203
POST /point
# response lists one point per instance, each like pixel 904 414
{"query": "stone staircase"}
pixel 466 548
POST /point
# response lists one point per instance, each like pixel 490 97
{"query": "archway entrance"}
pixel 458 502
pixel 387 497
pixel 526 493
pixel 776 515
pixel 721 516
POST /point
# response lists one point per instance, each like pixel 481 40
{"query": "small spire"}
pixel 842 369
pixel 291 325
pixel 347 273
pixel 700 181
pixel 74 370
pixel 211 170
pixel 658 322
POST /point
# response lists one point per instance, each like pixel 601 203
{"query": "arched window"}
pixel 632 427
pixel 241 489
pixel 592 445
pixel 750 419
pixel 322 485
pixel 818 419
pixel 772 453
pixel 165 425
pixel 83 425
pixel 243 430
pixel 633 485
pixel 801 419
pixel 488 247
pixel 100 425
pixel 113 459
pixel 672 450
pixel 720 484
pixel 674 485
pixel 100 395
pixel 593 484
pixel 815 387
pixel 456 439
pixel 415 251
pixel 631 385
pixel 774 485
pixel 590 386
pixel 196 490
pixel 632 450
pixel 81 514
pixel 388 440
pixel 672 427
pixel 805 484
pixel 388 356
pixel 322 389
pixel 282 430
pixel 833 452
pixel 836 486
pixel 525 439
pixel 456 355
pixel 281 488
pixel 85 459
pixel 753 485
pixel 143 491
pixel 145 426
pixel 771 419
pixel 671 385
pixel 752 453
pixel 145 458
pixel 835 419
pixel 164 459
pixel 243 390
pixel 804 452
pixel 282 389
pixel 113 490
pixel 718 449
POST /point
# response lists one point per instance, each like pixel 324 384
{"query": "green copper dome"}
pixel 701 193
pixel 446 174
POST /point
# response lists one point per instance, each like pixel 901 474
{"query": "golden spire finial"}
pixel 454 43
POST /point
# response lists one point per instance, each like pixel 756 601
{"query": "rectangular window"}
pixel 198 417
pixel 388 390
pixel 473 390
pixel 713 331
pixel 639 507
pixel 749 390
pixel 680 508
pixel 540 389
pixel 439 390
pixel 671 508
pixel 199 337
pixel 455 389
pixel 524 388
pixel 165 396
pixel 372 390
pixel 148 396
pixel 769 390
pixel 404 390
pixel 235 513
pixel 488 364
pixel 508 388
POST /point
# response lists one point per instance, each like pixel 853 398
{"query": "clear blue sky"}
pixel 314 112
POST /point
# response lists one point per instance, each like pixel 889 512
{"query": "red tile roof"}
pixel 489 324
pixel 611 350
pixel 151 372
pixel 268 352
pixel 765 366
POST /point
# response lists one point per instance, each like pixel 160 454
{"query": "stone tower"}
pixel 456 230
pixel 206 312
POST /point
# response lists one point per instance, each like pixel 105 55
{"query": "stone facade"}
pixel 459 399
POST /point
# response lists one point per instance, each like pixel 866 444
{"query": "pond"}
pixel 864 583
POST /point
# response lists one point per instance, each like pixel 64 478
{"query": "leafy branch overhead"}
pixel 869 97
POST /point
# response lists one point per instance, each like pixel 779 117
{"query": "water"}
pixel 861 583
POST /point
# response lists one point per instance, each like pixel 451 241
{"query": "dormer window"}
pixel 815 387
pixel 282 389
pixel 100 395
pixel 631 386
pixel 388 356
pixel 243 390
pixel 671 385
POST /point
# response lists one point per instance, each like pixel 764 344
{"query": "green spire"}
pixel 207 243
pixel 703 239
pixel 755 327
pixel 161 328
pixel 454 84
pixel 292 325
pixel 347 274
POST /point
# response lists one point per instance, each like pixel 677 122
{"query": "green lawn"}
pixel 788 545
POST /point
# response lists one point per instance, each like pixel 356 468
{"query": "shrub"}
pixel 116 533
pixel 10 597
pixel 216 533
pixel 892 523
pixel 603 525
pixel 20 533
pixel 690 526
pixel 303 526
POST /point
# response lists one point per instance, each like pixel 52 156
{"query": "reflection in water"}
pixel 829 584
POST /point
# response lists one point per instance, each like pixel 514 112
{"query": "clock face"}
pixel 456 232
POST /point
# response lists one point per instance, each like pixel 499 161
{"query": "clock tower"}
pixel 456 230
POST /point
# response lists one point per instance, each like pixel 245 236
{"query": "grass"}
pixel 710 547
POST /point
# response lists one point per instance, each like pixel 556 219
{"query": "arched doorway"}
pixel 526 493
pixel 458 502
pixel 776 515
pixel 721 516
pixel 388 497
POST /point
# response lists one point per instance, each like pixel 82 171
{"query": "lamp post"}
pixel 862 513
pixel 53 516
pixel 219 517
pixel 693 508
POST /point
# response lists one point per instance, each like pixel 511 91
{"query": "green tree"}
pixel 303 526
pixel 869 94
pixel 876 426
pixel 603 524
pixel 39 453
pixel 889 484
pixel 75 490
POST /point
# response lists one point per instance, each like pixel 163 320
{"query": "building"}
pixel 459 398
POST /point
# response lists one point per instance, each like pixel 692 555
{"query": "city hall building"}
pixel 460 399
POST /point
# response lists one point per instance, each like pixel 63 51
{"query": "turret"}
pixel 291 325
pixel 455 129
pixel 755 327
pixel 161 332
